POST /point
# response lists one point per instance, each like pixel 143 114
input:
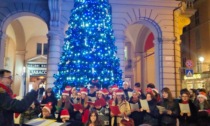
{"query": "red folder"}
pixel 78 107
pixel 90 103
pixel 115 110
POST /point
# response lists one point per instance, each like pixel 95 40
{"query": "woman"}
pixel 84 101
pixel 151 115
pixel 64 103
pixel 50 97
pixel 123 106
pixel 187 119
pixel 168 117
pixel 203 108
pixel 93 119
pixel 136 114
pixel 74 96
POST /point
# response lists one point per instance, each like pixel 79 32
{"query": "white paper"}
pixel 56 124
pixel 161 108
pixel 144 104
pixel 134 106
pixel 40 122
pixel 185 108
pixel 130 94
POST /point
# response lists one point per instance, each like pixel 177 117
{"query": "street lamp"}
pixel 201 59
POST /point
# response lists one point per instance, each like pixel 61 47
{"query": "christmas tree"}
pixel 89 51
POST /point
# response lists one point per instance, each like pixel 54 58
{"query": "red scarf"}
pixel 8 90
pixel 184 102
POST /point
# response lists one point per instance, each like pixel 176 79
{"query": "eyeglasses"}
pixel 10 77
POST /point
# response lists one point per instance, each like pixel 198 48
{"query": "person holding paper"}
pixel 168 117
pixel 203 109
pixel 136 114
pixel 127 90
pixel 187 118
pixel 151 115
pixel 123 106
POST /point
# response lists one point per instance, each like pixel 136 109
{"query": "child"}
pixel 65 115
pixel 93 119
pixel 46 111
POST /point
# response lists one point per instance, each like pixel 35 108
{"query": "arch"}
pixel 156 30
pixel 152 25
pixel 7 20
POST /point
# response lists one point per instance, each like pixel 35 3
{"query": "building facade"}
pixel 195 47
pixel 147 36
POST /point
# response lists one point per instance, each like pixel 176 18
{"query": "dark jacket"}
pixel 137 116
pixel 188 120
pixel 152 117
pixel 166 119
pixel 126 93
pixel 8 106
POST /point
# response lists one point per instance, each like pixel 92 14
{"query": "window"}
pixel 126 52
pixel 42 49
pixel 39 49
pixel 197 39
pixel 45 49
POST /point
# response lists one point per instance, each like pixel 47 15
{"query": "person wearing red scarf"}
pixel 9 105
pixel 187 119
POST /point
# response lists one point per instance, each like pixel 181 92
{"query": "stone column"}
pixel 158 64
pixel 143 68
pixel 168 65
pixel 3 38
pixel 54 40
pixel 120 43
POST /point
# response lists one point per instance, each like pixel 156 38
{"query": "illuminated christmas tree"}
pixel 89 51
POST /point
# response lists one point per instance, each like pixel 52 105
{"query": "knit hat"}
pixel 119 92
pixel 84 91
pixel 48 107
pixel 202 94
pixel 114 87
pixel 68 88
pixel 65 93
pixel 65 113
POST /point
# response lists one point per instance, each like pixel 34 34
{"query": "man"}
pixel 127 90
pixel 9 105
pixel 137 88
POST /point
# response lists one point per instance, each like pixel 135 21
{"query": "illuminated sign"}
pixel 38 72
pixel 195 76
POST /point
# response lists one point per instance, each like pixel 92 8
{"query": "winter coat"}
pixel 8 105
pixel 124 108
pixel 188 120
pixel 137 116
pixel 203 118
pixel 126 93
pixel 166 119
pixel 51 99
pixel 152 117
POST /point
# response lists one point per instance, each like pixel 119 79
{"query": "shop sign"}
pixel 38 72
pixel 37 65
pixel 194 76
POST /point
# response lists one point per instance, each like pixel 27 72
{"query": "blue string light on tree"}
pixel 89 51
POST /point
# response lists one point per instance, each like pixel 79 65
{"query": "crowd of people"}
pixel 115 106
pixel 98 107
